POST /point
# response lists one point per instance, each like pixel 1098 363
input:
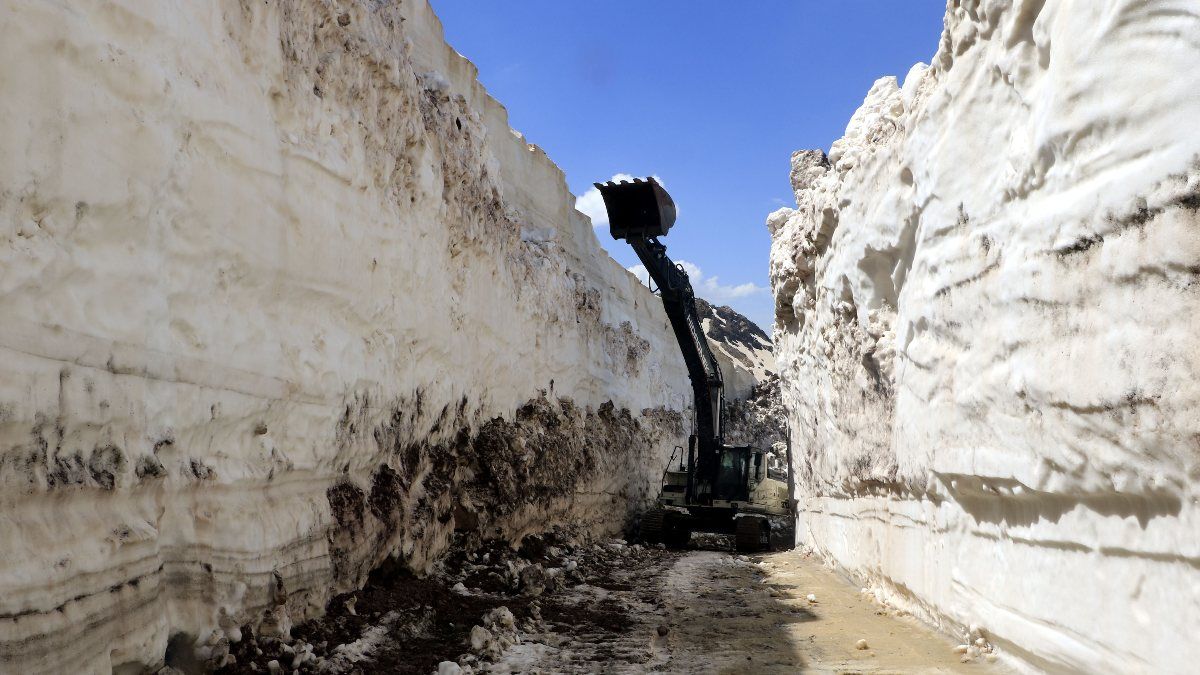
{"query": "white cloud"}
pixel 713 291
pixel 693 270
pixel 591 204
pixel 709 288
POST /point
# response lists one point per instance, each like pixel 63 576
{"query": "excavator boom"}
pixel 639 212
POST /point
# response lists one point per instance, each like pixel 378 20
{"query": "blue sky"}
pixel 712 97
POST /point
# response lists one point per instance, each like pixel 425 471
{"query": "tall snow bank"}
pixel 986 326
pixel 282 296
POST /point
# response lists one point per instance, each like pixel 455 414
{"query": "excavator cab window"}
pixel 732 475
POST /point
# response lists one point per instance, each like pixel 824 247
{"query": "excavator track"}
pixel 676 531
pixel 652 526
pixel 752 534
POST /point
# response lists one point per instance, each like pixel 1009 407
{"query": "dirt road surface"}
pixel 608 607
pixel 736 618
pixel 715 612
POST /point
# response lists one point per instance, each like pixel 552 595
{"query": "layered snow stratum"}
pixel 281 297
pixel 986 326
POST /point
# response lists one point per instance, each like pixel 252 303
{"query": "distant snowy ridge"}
pixel 742 348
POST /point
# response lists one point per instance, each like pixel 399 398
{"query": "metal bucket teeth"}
pixel 637 209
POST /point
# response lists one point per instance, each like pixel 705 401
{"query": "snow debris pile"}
pixel 501 635
pixel 760 421
pixel 484 607
pixel 976 647
pixel 285 300
pixel 986 330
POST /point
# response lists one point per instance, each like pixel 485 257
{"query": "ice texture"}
pixel 283 297
pixel 986 328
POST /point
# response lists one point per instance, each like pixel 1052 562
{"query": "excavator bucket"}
pixel 641 209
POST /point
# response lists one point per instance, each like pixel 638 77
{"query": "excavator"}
pixel 717 488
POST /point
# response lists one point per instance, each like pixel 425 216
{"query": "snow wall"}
pixel 283 296
pixel 986 324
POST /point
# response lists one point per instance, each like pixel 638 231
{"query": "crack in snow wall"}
pixel 986 328
pixel 283 297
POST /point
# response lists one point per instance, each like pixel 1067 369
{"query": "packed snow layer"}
pixel 283 296
pixel 987 331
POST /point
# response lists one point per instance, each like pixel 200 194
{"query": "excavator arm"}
pixel 640 212
pixel 675 289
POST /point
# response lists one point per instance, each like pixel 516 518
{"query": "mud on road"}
pixel 608 607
